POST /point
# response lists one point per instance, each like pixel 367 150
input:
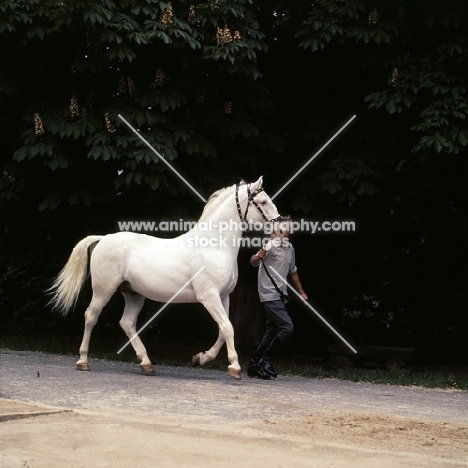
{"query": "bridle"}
pixel 251 200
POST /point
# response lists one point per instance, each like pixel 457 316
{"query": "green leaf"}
pixel 72 129
pixel 463 138
pixel 21 154
pixel 137 177
pixel 95 152
pixel 439 143
pixel 102 152
pixel 43 149
pixel 105 153
pixel 391 106
pixel 53 163
pixel 62 162
pixel 50 203
pixel 153 182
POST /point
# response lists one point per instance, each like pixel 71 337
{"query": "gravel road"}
pixel 53 380
pixel 357 414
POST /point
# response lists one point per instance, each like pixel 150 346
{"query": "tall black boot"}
pixel 254 369
pixel 259 352
pixel 270 353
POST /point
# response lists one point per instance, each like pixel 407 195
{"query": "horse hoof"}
pixel 235 373
pixel 83 366
pixel 196 360
pixel 147 368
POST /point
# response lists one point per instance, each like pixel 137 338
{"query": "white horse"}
pixel 143 266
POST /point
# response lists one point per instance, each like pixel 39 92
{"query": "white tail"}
pixel 70 280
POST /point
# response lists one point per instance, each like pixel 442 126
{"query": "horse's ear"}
pixel 259 184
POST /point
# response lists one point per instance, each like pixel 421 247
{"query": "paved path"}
pixel 116 417
pixel 53 380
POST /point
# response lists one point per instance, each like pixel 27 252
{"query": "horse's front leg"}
pixel 207 356
pixel 219 310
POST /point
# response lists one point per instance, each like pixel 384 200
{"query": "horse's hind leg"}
pixel 133 305
pixel 92 313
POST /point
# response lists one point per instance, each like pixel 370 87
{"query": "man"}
pixel 275 261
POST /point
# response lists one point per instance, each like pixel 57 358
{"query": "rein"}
pixel 251 199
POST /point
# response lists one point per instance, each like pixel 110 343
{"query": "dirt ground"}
pixel 120 438
pixel 54 416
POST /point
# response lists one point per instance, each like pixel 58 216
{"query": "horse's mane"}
pixel 215 196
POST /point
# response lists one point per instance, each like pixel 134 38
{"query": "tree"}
pixel 184 75
pixel 227 89
pixel 415 50
pixel 409 63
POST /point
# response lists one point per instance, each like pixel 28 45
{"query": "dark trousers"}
pixel 278 323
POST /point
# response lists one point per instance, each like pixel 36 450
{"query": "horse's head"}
pixel 253 204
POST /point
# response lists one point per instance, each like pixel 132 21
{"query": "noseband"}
pixel 251 199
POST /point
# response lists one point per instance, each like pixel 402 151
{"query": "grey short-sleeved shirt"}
pixel 281 256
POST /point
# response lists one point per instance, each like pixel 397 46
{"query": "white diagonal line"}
pixel 313 157
pixel 161 157
pixel 315 312
pixel 161 309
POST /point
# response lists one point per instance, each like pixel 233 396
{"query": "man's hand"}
pixel 298 286
pixel 255 259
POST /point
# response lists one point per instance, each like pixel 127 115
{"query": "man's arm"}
pixel 255 259
pixel 297 285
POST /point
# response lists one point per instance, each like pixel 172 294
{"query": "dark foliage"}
pixel 230 89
